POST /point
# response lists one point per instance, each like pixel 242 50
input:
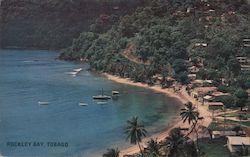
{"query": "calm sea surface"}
pixel 27 77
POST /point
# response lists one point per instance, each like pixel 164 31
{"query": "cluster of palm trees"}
pixel 177 144
pixel 112 153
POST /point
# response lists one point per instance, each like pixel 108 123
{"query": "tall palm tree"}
pixel 135 131
pixel 190 114
pixel 112 153
pixel 178 145
pixel 175 142
pixel 153 148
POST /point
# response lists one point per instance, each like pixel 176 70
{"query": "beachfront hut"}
pixel 215 106
pixel 207 98
pixel 200 92
pixel 236 142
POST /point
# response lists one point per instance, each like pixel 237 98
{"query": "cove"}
pixel 30 76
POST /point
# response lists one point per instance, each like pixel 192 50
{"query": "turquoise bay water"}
pixel 27 77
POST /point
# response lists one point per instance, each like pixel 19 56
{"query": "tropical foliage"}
pixel 153 148
pixel 135 131
pixel 191 115
pixel 164 36
pixel 175 145
pixel 112 153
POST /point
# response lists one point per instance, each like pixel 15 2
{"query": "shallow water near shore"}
pixel 29 76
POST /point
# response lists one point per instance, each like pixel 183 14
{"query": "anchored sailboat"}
pixel 101 97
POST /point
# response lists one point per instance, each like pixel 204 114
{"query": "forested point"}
pixel 152 42
pixel 171 39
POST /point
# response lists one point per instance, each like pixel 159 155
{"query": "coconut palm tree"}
pixel 135 131
pixel 190 114
pixel 175 142
pixel 178 145
pixel 153 148
pixel 112 153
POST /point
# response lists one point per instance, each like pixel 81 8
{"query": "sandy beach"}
pixel 180 95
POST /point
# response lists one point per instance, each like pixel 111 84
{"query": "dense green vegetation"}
pixel 176 144
pixel 238 98
pixel 112 153
pixel 52 24
pixel 135 131
pixel 160 38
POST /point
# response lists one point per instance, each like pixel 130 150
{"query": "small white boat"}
pixel 72 73
pixel 43 103
pixel 77 70
pixel 83 104
pixel 114 92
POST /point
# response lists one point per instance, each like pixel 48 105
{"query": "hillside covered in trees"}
pixel 52 24
pixel 165 37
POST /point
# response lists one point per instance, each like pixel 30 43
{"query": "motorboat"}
pixel 115 92
pixel 77 70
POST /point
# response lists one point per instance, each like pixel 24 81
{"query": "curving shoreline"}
pixel 127 81
pixel 182 96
